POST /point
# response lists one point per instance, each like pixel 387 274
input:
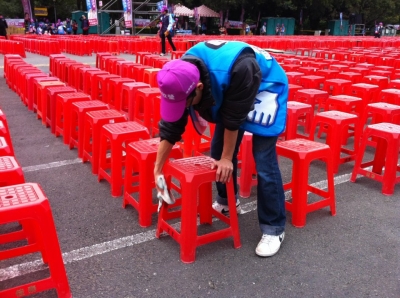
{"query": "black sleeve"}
pixel 243 88
pixel 173 131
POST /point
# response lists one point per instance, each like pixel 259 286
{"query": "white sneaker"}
pixel 224 209
pixel 162 54
pixel 269 245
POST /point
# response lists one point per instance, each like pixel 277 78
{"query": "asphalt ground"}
pixel 107 253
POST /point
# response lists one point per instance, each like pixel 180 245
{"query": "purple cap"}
pixel 176 80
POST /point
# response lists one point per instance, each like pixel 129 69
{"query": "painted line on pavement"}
pixel 105 247
pixel 51 165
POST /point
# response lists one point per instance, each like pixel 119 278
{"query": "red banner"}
pixel 26 5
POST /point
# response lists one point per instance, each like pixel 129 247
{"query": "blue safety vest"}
pixel 269 115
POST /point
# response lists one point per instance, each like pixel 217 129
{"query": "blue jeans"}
pixel 270 194
pixel 217 144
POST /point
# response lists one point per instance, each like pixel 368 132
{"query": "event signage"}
pixel 92 12
pixel 127 6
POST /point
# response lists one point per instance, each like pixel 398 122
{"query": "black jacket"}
pixel 238 99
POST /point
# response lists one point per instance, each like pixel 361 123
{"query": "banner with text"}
pixel 92 12
pixel 127 5
pixel 26 5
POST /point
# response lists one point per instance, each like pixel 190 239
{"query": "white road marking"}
pixel 105 247
pixel 50 165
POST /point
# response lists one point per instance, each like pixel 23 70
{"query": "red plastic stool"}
pixel 100 85
pixel 50 118
pixel 382 82
pixel 33 89
pixel 27 203
pixel 138 188
pixel 246 179
pixel 195 177
pixel 336 124
pixel 80 79
pixel 327 73
pixel 100 58
pixel 390 96
pixel 194 144
pixel 150 76
pixel 292 90
pixel 10 171
pixel 294 77
pixel 368 93
pixel 345 103
pixel 128 95
pixel 302 153
pixel 312 97
pixel 363 70
pixel 78 112
pixel 144 103
pixel 386 155
pixel 5 133
pixel 394 84
pixel 41 104
pixel 339 67
pixel 26 91
pixel 312 82
pixel 139 56
pixel 298 114
pixel 156 116
pixel 73 78
pixel 127 70
pixel 354 77
pixel 63 115
pixel 89 78
pixel 94 121
pixel 336 86
pixel 114 88
pixel 177 54
pixel 5 148
pixel 138 72
pixel 114 138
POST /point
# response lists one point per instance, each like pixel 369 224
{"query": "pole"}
pixel 133 19
pixel 55 13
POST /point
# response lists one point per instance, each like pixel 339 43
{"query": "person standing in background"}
pixel 3 26
pixel 263 30
pixel 74 27
pixel 85 25
pixel 27 23
pixel 283 29
pixel 165 31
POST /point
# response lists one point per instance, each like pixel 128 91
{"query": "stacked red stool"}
pixel 41 97
pixel 78 113
pixel 298 113
pixel 337 124
pixel 28 204
pixel 63 113
pixel 10 171
pixel 114 86
pixel 368 92
pixel 5 134
pixel 195 177
pixel 386 156
pixel 49 118
pixel 144 103
pixel 312 81
pixel 390 96
pixel 312 97
pixel 336 86
pixel 114 139
pixel 94 121
pixel 128 95
pixel 139 177
pixel 100 84
pixel 302 152
pixel 382 82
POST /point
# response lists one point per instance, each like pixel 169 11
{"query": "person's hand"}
pixel 166 33
pixel 224 170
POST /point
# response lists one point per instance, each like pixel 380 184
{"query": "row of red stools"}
pixel 27 205
pixel 12 47
pixel 125 147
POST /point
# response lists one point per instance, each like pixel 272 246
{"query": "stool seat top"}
pixel 124 127
pixel 149 90
pixel 20 194
pixel 313 77
pixel 89 104
pixel 60 89
pixel 376 77
pixel 148 146
pixel 122 80
pixel 190 165
pixel 8 163
pixel 71 95
pixel 296 105
pixel 302 145
pixel 392 91
pixel 337 115
pixel 386 127
pixel 385 106
pixel 105 114
pixel 313 91
pixel 365 86
pixel 347 98
pixel 339 81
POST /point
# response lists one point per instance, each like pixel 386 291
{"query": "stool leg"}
pixel 233 217
pixel 205 203
pixel 145 192
pixel 299 193
pixel 188 225
pixel 389 177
